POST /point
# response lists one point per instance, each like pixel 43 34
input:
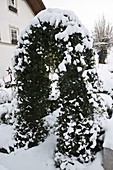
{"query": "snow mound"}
pixel 40 157
pixel 2 168
pixel 6 134
pixel 107 100
pixel 108 140
pixel 5 95
pixel 106 77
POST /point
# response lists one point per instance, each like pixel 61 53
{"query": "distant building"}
pixel 14 16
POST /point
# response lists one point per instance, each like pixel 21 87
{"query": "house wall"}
pixel 10 19
pixel 6 55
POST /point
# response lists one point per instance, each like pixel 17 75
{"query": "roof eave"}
pixel 36 5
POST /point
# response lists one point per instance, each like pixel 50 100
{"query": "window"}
pixel 12 5
pixel 14 35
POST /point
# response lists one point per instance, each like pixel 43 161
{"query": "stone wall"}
pixel 108 159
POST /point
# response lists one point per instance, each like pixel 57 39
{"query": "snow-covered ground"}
pixel 40 158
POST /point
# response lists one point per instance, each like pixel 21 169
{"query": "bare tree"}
pixel 103 38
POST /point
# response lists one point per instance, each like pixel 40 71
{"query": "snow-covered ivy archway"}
pixel 56 48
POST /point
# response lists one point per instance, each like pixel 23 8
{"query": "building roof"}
pixel 36 5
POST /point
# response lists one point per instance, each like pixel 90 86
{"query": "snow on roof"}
pixel 36 5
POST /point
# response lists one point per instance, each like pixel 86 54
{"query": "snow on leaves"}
pixel 58 42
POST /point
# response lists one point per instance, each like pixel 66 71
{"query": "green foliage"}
pixel 42 53
pixel 77 106
pixel 39 54
pixel 33 83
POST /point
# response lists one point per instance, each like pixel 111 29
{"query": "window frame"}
pixel 12 7
pixel 13 36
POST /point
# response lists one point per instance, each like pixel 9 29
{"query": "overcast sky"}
pixel 88 11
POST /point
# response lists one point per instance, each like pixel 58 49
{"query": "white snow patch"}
pixel 6 136
pixel 107 100
pixel 108 140
pixel 62 67
pixel 106 77
pixel 40 157
pixel 2 168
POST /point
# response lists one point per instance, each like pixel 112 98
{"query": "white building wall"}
pixel 6 55
pixel 10 19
